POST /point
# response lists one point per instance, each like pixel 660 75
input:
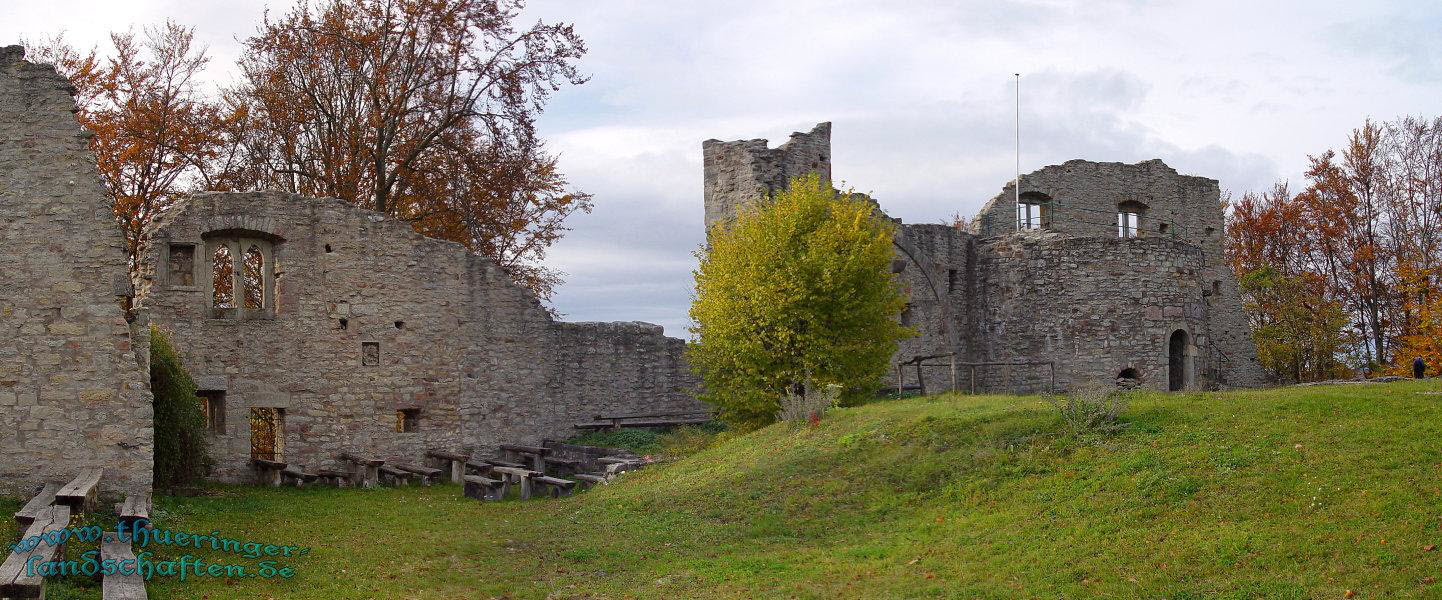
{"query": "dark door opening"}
pixel 1177 361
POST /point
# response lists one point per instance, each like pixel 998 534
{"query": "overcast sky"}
pixel 920 95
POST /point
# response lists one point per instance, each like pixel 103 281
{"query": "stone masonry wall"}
pixel 1075 294
pixel 74 391
pixel 741 172
pixel 1084 198
pixel 1094 305
pixel 366 318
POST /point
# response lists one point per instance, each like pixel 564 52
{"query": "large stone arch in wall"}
pixel 928 273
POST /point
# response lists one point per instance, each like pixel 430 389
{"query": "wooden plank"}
pixel 427 471
pixel 520 476
pixel 367 469
pixel 443 455
pixel 427 474
pixel 590 478
pixel 526 449
pixel 42 501
pixel 81 492
pixel 14 582
pixel 502 463
pixel 365 460
pixel 119 586
pixel 396 476
pixel 484 488
pixel 696 413
pixel 135 508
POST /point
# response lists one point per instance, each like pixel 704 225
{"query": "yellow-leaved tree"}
pixel 794 295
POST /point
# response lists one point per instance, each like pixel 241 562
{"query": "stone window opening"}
pixel 1162 227
pixel 1033 211
pixel 212 410
pixel 951 281
pixel 1216 287
pixel 267 433
pixel 906 315
pixel 400 324
pixel 370 354
pixel 344 324
pixel 242 274
pixel 180 265
pixel 408 420
pixel 222 278
pixel 1129 219
pixel 327 249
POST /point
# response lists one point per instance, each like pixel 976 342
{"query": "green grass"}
pixel 1291 493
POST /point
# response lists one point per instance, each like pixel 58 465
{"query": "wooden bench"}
pixel 615 465
pixel 521 477
pixel 15 580
pixel 478 468
pixel 393 476
pixel 555 485
pixel 484 488
pixel 81 492
pixel 332 477
pixel 456 463
pixel 135 508
pixel 427 475
pixel 119 586
pixel 40 503
pixel 588 480
pixel 561 466
pixel 268 471
pixel 536 454
pixel 614 422
pixel 296 476
pixel 366 469
pixel 496 462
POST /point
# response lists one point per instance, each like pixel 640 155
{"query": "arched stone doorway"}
pixel 1179 368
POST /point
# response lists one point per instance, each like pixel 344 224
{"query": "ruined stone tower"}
pixel 74 386
pixel 1106 271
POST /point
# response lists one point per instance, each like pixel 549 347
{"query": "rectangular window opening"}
pixel 180 267
pixel 1127 224
pixel 267 433
pixel 370 354
pixel 212 410
pixel 408 420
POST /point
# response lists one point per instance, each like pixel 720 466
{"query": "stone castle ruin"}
pixel 315 328
pixel 1101 272
pixel 311 327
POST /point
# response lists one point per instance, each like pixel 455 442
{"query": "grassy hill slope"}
pixel 1291 493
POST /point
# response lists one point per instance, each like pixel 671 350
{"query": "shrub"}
pixel 181 456
pixel 797 287
pixel 810 405
pixel 1093 408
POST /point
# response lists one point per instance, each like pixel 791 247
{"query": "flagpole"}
pixel 1016 186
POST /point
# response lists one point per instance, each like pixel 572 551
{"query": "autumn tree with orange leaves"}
pixel 421 109
pixel 1364 236
pixel 151 128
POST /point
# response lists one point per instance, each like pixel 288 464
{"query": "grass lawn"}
pixel 1289 493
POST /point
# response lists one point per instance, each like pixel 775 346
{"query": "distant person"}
pixel 1419 368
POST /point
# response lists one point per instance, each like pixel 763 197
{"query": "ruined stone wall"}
pixel 745 171
pixel 366 318
pixel 1094 305
pixel 1084 198
pixel 938 283
pixel 998 296
pixel 74 390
